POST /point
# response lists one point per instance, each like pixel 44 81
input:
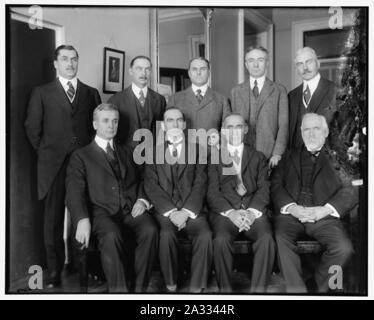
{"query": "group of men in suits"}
pixel 135 210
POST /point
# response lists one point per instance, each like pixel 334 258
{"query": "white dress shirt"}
pixel 203 89
pixel 260 82
pixel 137 90
pixel 312 84
pixel 102 143
pixel 238 169
pixel 64 83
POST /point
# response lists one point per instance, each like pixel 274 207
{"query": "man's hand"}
pixel 138 208
pixel 236 217
pixel 273 161
pixel 249 218
pixel 179 218
pixel 301 213
pixel 320 212
pixel 83 232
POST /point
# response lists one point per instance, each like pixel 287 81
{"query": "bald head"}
pixel 314 131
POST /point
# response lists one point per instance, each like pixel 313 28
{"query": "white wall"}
pixel 89 30
pixel 174 41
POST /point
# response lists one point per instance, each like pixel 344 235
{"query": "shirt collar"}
pixel 312 83
pixel 260 82
pixel 65 81
pixel 136 90
pixel 203 89
pixel 102 143
pixel 232 148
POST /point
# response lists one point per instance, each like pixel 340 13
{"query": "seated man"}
pixel 177 189
pixel 103 177
pixel 238 195
pixel 309 198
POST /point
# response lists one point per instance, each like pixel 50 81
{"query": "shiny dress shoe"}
pixel 171 288
pixel 54 280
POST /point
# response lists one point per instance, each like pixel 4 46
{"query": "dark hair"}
pixel 233 114
pixel 106 107
pixel 261 48
pixel 140 57
pixel 64 47
pixel 199 58
pixel 174 108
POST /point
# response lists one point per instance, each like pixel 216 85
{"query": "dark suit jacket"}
pixel 55 127
pixel 192 183
pixel 322 102
pixel 206 115
pixel 129 120
pixel 271 116
pixel 90 182
pixel 222 195
pixel 327 186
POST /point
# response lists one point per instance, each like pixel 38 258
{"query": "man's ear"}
pixel 184 125
pixel 246 129
pixel 94 124
pixel 163 126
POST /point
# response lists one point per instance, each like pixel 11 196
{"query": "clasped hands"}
pixel 179 218
pixel 309 214
pixel 243 219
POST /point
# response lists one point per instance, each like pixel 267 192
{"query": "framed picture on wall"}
pixel 114 67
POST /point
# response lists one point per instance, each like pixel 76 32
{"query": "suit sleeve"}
pixel 195 200
pixel 233 100
pixel 158 197
pixel 216 199
pixel 331 107
pixel 344 200
pixel 226 109
pixel 282 135
pixel 97 98
pixel 76 189
pixel 34 120
pixel 279 194
pixel 261 198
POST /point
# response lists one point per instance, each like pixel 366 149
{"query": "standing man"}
pixel 202 107
pixel 139 106
pixel 264 105
pixel 238 203
pixel 309 198
pixel 177 190
pixel 59 120
pixel 104 190
pixel 316 94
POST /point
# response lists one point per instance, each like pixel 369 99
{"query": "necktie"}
pixel 306 94
pixel 255 90
pixel 240 187
pixel 174 150
pixel 141 98
pixel 199 96
pixel 71 91
pixel 110 152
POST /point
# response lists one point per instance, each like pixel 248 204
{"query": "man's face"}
pixel 234 129
pixel 313 133
pixel 106 124
pixel 199 72
pixel 174 124
pixel 140 72
pixel 307 65
pixel 66 64
pixel 256 62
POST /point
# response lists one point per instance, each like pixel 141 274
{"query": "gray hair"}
pixel 306 49
pixel 104 107
pixel 325 126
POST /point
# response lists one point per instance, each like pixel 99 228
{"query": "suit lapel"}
pixel 318 95
pixel 244 93
pixel 183 156
pixel 98 154
pixel 247 156
pixel 191 99
pixel 121 160
pixel 295 160
pixel 266 91
pixel 166 167
pixel 61 97
pixel 131 102
pixel 321 160
pixel 80 92
pixel 208 97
